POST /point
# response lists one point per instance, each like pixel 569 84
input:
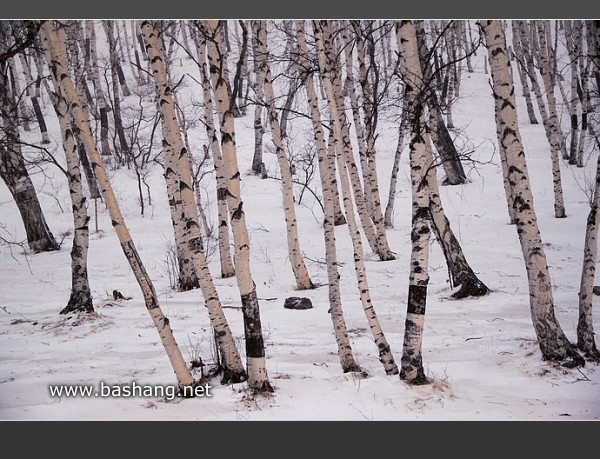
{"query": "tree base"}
pixel 471 288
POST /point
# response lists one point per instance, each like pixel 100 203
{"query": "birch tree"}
pixel 33 92
pixel 258 380
pixel 573 40
pixel 57 52
pixel 81 296
pixel 552 341
pixel 557 143
pixel 177 164
pixel 328 182
pixel 412 370
pixel 259 130
pixel 303 281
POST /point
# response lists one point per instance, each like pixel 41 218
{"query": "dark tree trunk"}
pixel 14 173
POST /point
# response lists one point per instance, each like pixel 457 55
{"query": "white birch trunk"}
pixel 412 370
pixel 553 343
pixel 33 93
pixel 572 32
pixel 448 155
pixel 351 93
pixel 555 131
pixel 585 329
pixel 328 182
pixel 401 143
pixel 303 281
pixel 81 296
pixel 255 349
pixel 340 218
pixel 259 130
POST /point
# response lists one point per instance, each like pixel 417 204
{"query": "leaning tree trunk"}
pixel 258 380
pixel 553 343
pixel 328 182
pixel 412 370
pixel 177 159
pixel 461 273
pixel 187 276
pixel 339 217
pixel 81 296
pixel 303 281
pixel 351 92
pixel 554 139
pixel 61 72
pixel 74 40
pixel 14 173
pixel 22 112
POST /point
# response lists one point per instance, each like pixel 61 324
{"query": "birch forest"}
pixel 83 102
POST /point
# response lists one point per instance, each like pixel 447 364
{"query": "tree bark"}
pixel 412 370
pixel 98 92
pixel 258 380
pixel 81 296
pixel 345 142
pixel 303 281
pixel 553 343
pixel 557 144
pixel 16 177
pixel 327 173
pixel 259 96
pixel 370 116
